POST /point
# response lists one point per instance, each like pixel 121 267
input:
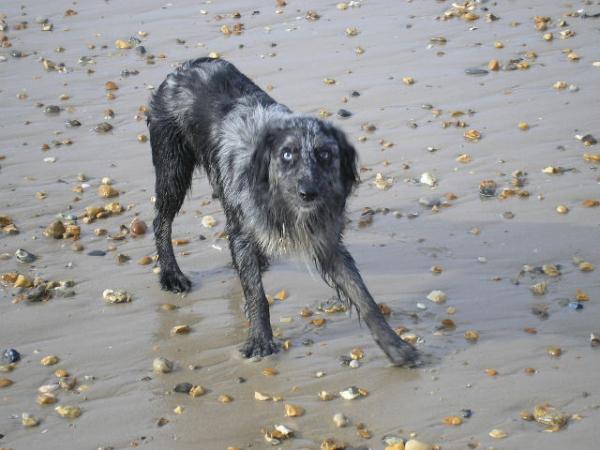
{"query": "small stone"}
pixel 413 444
pixel 55 230
pixel 340 420
pixel 46 398
pixel 103 127
pixel 5 382
pixel 180 329
pixel 293 410
pixel 437 297
pixel 49 360
pixel 27 420
pixel 68 411
pixel 11 355
pixel 344 113
pixel 138 227
pixel 116 296
pixel 162 365
pixel 476 71
pixel 498 434
pixel 144 260
pixel 197 391
pixel 183 388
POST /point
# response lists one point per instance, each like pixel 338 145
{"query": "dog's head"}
pixel 305 162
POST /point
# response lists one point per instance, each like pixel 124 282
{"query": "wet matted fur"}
pixel 283 179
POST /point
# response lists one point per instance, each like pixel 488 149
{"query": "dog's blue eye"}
pixel 287 154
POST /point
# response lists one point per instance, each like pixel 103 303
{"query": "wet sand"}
pixel 110 348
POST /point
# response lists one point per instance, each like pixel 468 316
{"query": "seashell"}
pixel 408 81
pixel 428 179
pixel 585 266
pixel 261 397
pixel 118 296
pixel 178 410
pixel 340 420
pixel 452 420
pixel 551 270
pixel 67 383
pixel 352 31
pixel 395 446
pixel 498 434
pixel 179 242
pixel 472 135
pixel 353 392
pixel 162 365
pixel 49 360
pixel 560 85
pixel 529 371
pixel 285 431
pixel 5 382
pixel 180 329
pixel 523 126
pixel 281 295
pixel 111 86
pixel 293 410
pixel 145 260
pixel 595 339
pixel 562 209
pixel 550 417
pixel 589 203
pixel 214 55
pixel 383 183
pixel 491 372
pixel 437 297
pixel 27 420
pixel 539 288
pixel 61 373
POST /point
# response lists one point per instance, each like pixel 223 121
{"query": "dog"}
pixel 283 180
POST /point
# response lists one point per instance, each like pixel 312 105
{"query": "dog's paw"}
pixel 175 282
pixel 405 355
pixel 259 346
pixel 399 353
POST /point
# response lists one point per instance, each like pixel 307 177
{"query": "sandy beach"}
pixel 440 98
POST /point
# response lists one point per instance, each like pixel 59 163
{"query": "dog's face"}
pixel 306 163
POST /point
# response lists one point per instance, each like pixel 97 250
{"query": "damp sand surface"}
pixel 490 250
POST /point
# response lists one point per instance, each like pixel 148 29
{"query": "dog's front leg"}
pixel 342 271
pixel 247 261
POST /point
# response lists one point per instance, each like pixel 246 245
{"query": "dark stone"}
pixel 11 355
pixel 96 253
pixel 344 113
pixel 183 388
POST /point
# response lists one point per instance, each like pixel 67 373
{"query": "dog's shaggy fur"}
pixel 282 178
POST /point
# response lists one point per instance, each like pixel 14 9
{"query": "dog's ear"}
pixel 261 160
pixel 348 159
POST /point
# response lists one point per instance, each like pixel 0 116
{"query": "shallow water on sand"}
pixel 110 348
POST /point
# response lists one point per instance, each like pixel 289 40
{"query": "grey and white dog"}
pixel 283 180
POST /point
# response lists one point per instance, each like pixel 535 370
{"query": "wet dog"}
pixel 283 180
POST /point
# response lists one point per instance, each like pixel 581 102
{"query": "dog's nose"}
pixel 306 193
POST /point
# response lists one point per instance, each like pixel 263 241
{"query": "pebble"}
pixel 162 365
pixel 344 113
pixel 413 444
pixel 118 296
pixel 96 253
pixel 183 388
pixel 103 127
pixel 24 256
pixel 437 297
pixel 476 71
pixel 11 355
pixel 428 179
pixel 52 110
pixel 27 420
pixel 68 411
pixel 340 420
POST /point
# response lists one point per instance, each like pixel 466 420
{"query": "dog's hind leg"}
pixel 341 270
pixel 247 261
pixel 174 165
